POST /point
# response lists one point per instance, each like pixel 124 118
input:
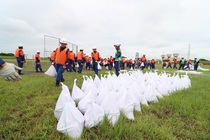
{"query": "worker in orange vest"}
pixel 87 62
pixel 123 63
pixel 80 60
pixel 71 61
pixel 95 60
pixel 188 64
pixel 110 60
pixel 61 58
pixel 175 62
pixel 37 59
pixel 20 57
pixel 152 64
pixel 144 61
pixel 169 63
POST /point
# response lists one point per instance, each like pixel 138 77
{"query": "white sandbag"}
pixel 51 71
pixel 71 121
pixel 64 97
pixel 97 81
pixel 94 115
pixel 126 105
pixel 99 66
pixel 110 107
pixel 84 104
pixel 150 96
pixel 77 93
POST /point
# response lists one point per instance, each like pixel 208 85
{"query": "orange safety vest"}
pixel 175 61
pixel 19 52
pixel 95 55
pixel 123 59
pixel 80 55
pixel 71 55
pixel 152 61
pixel 87 59
pixel 52 56
pixel 143 59
pixel 37 56
pixel 61 56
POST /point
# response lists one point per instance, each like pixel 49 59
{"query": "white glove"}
pixel 8 72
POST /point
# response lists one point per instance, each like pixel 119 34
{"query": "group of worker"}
pixel 64 58
pixel 183 64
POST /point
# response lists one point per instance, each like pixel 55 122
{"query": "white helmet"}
pixel 54 49
pixel 117 44
pixel 20 45
pixel 63 41
pixel 70 49
pixel 94 48
pixel 81 49
pixel 37 51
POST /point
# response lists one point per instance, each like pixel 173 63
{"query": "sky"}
pixel 150 27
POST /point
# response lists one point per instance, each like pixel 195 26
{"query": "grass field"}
pixel 27 112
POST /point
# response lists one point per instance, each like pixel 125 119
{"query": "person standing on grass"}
pixel 169 63
pixel 7 71
pixel 61 58
pixel 95 60
pixel 80 60
pixel 175 62
pixel 181 63
pixel 153 64
pixel 19 54
pixel 196 63
pixel 118 58
pixel 71 61
pixel 37 59
pixel 188 63
pixel 144 61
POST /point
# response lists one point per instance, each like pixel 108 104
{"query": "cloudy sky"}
pixel 150 27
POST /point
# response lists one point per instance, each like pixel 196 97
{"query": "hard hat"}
pixel 63 41
pixel 81 49
pixel 94 48
pixel 70 49
pixel 54 49
pixel 37 51
pixel 20 45
pixel 117 44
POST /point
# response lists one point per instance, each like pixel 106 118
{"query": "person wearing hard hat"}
pixel 95 58
pixel 144 62
pixel 61 58
pixel 71 61
pixel 37 59
pixel 20 57
pixel 80 60
pixel 8 71
pixel 118 58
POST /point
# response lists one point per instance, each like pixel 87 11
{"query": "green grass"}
pixel 27 112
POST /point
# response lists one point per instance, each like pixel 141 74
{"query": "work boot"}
pixel 57 83
pixel 62 80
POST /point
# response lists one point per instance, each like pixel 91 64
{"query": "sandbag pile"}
pixel 110 96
